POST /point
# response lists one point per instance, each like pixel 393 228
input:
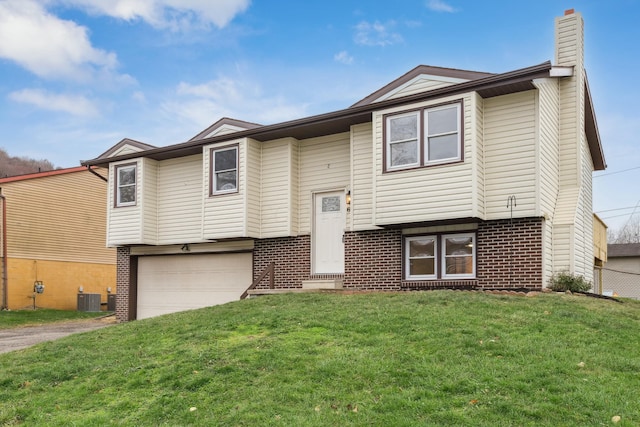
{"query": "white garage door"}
pixel 171 283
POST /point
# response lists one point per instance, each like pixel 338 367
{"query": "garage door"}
pixel 171 283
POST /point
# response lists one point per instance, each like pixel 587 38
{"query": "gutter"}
pixel 97 174
pixel 4 253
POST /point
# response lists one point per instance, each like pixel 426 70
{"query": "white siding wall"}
pixel 548 145
pixel 324 165
pixel 149 201
pixel 277 188
pixel 225 214
pixel 425 194
pixel 254 179
pixel 124 225
pixel 179 195
pixel 419 85
pixel 510 154
pixel 294 196
pixel 362 147
pixel 476 124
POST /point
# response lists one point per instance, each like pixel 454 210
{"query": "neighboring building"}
pixel 621 273
pixel 55 234
pixel 599 252
pixel 442 178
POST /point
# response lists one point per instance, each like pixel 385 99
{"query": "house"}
pixel 621 273
pixel 53 234
pixel 443 178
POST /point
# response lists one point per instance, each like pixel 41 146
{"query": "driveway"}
pixel 26 336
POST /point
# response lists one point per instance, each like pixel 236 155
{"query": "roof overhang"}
pixel 342 120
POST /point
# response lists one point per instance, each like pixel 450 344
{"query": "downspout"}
pixel 4 252
pixel 97 174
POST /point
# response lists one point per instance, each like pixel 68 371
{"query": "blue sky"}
pixel 77 76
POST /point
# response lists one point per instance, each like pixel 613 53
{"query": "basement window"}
pixel 446 256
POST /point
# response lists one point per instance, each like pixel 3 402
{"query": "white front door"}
pixel 328 230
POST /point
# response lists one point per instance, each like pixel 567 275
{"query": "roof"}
pixel 429 70
pixel 341 120
pixel 225 122
pixel 618 250
pixel 42 174
pixel 124 142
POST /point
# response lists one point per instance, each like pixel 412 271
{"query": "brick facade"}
pixel 123 276
pixel 373 260
pixel 292 258
pixel 510 253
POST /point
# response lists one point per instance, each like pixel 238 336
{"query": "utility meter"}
pixel 38 287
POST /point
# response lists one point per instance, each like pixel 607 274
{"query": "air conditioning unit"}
pixel 89 302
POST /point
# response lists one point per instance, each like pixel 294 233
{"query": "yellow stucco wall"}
pixel 61 280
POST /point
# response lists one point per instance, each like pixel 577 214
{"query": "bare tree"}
pixel 628 233
pixel 11 166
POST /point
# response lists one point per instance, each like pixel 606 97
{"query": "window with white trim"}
pixel 424 137
pixel 448 256
pixel 224 170
pixel 125 185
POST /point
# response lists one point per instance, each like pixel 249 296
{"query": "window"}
pixel 421 257
pixel 402 137
pixel 407 146
pixel 125 185
pixel 224 170
pixel 450 256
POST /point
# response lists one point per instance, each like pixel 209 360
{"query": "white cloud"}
pixel 376 34
pixel 440 6
pixel 172 14
pixel 343 57
pixel 73 104
pixel 50 47
pixel 203 104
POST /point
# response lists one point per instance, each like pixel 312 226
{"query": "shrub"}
pixel 564 281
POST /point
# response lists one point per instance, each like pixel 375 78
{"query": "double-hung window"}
pixel 449 256
pixel 125 185
pixel 423 137
pixel 224 170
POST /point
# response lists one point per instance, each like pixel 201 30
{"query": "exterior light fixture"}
pixel 80 289
pixel 348 200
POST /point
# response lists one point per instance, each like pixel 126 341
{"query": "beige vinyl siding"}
pixel 419 85
pixel 324 166
pixel 126 149
pixel 225 214
pixel 429 193
pixel 149 201
pixel 548 145
pixel 254 179
pixel 58 218
pixel 179 200
pixel 547 251
pixel 585 262
pixel 510 154
pixel 276 188
pixel 476 124
pixel 124 224
pixel 294 196
pixel 362 177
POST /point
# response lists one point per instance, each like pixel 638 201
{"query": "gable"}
pixel 224 126
pixel 125 146
pixel 422 78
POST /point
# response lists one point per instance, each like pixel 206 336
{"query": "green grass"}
pixel 409 359
pixel 11 319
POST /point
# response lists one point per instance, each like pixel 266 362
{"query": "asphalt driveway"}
pixel 26 336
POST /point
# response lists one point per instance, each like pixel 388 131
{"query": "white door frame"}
pixel 336 231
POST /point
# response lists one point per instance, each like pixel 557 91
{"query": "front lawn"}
pixel 381 359
pixel 11 319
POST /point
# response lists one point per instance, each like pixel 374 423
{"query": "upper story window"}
pixel 126 185
pixel 224 170
pixel 423 137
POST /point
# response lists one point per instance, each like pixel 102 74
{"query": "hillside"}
pixel 12 166
pixel 384 359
